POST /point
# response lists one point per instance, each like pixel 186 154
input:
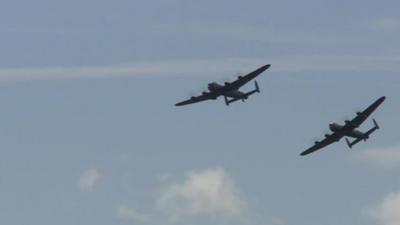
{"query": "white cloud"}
pixel 388 158
pixel 88 180
pixel 388 211
pixel 387 23
pixel 132 214
pixel 210 192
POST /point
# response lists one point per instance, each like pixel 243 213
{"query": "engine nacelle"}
pixel 327 135
pixel 204 92
pixel 240 77
pixel 227 83
pixel 347 122
pixel 358 113
pixel 335 127
pixel 317 142
pixel 193 98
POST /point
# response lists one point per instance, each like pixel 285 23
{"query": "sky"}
pixel 90 134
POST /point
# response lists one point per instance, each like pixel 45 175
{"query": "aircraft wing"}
pixel 243 80
pixel 203 97
pixel 321 144
pixel 362 116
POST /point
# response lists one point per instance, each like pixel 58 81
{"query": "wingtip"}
pixel 381 100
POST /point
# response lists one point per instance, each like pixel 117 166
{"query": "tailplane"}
pixel 367 134
pixel 256 90
pixel 245 95
pixel 229 101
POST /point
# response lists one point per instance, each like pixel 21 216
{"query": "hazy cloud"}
pixel 388 211
pixel 388 158
pixel 131 214
pixel 216 67
pixel 178 68
pixel 88 180
pixel 210 192
pixel 387 23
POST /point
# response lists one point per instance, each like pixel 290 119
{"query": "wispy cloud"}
pixel 209 192
pixel 217 67
pixel 388 211
pixel 263 34
pixel 88 180
pixel 172 68
pixel 388 158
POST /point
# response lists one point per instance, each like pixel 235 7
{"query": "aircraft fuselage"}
pixel 354 133
pixel 220 90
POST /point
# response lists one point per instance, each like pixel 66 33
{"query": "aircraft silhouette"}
pixel 230 90
pixel 349 129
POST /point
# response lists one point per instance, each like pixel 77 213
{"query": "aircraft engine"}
pixel 317 142
pixel 347 121
pixel 193 98
pixel 327 135
pixel 334 127
pixel 227 83
pixel 240 77
pixel 204 92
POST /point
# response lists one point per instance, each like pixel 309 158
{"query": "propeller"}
pixel 316 140
pixel 227 80
pixel 345 118
pixel 196 92
pixel 358 111
pixel 239 75
pixel 325 133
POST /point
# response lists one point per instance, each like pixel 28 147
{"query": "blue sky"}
pixel 90 135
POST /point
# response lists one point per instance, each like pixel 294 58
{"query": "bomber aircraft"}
pixel 349 129
pixel 230 90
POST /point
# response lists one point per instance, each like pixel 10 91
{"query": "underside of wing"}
pixel 242 80
pixel 321 144
pixel 362 116
pixel 194 99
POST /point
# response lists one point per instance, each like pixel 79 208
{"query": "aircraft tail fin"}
pixel 257 87
pixel 376 124
pixel 349 143
pixel 226 101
